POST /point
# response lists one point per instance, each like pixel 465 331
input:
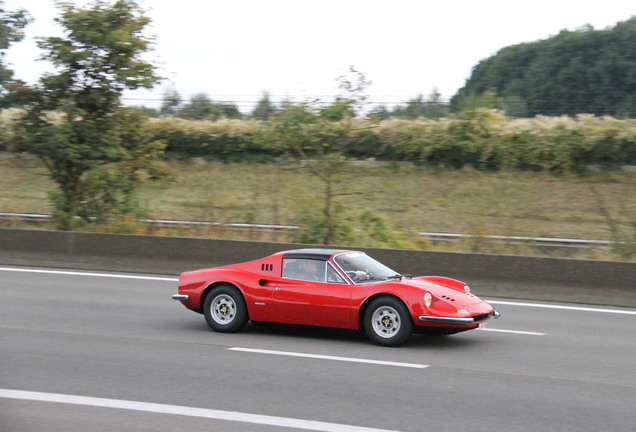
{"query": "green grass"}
pixel 414 199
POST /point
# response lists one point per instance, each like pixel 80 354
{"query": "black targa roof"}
pixel 315 254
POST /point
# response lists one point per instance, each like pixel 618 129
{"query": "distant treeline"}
pixel 583 71
pixel 483 139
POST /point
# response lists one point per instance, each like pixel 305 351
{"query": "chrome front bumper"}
pixel 454 320
pixel 180 297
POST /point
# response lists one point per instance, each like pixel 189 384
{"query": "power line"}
pixel 533 107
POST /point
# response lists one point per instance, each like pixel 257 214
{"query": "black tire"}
pixel 224 309
pixel 387 322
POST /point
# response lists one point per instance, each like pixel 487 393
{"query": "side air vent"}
pixel 267 267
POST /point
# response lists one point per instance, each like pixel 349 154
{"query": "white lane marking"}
pixel 573 308
pixel 324 357
pixel 185 411
pixel 92 274
pixel 175 279
pixel 512 331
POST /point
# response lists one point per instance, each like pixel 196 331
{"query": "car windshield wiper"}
pixel 395 276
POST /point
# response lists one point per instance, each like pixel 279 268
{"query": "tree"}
pixel 433 108
pixel 94 148
pixel 11 25
pixel 486 100
pixel 317 137
pixel 201 107
pixel 584 71
pixel 264 108
pixel 380 113
pixel 436 108
pixel 230 110
pixel 413 109
pixel 147 111
pixel 171 101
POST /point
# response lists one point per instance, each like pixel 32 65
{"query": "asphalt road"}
pixel 81 352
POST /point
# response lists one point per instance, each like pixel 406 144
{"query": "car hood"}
pixel 442 292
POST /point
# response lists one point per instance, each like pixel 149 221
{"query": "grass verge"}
pixel 599 206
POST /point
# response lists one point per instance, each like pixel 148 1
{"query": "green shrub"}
pixel 224 140
pixel 483 139
pixel 7 117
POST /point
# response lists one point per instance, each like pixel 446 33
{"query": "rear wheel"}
pixel 224 309
pixel 387 322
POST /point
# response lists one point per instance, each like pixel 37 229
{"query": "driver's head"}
pixel 311 265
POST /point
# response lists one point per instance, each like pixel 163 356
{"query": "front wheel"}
pixel 387 322
pixel 224 309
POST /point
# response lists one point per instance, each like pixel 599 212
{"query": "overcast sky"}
pixel 233 50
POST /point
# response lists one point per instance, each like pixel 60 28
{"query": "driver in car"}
pixel 310 270
pixel 358 275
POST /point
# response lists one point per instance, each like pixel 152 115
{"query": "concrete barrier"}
pixel 529 278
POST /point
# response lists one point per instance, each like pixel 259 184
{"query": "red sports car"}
pixel 332 288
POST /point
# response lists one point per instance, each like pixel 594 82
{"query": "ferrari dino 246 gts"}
pixel 332 288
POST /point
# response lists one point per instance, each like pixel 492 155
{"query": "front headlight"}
pixel 428 299
pixel 466 288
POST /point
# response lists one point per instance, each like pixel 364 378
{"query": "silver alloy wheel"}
pixel 223 309
pixel 386 322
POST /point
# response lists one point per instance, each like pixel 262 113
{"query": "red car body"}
pixel 387 305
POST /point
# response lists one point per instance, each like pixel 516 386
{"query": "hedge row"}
pixel 226 140
pixel 484 139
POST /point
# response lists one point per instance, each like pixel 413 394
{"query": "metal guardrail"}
pixel 26 217
pixel 36 219
pixel 539 241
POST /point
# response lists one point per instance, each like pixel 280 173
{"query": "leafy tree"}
pixel 317 137
pixel 433 107
pixel 230 110
pixel 486 100
pixel 171 101
pixel 264 108
pixel 436 108
pixel 414 109
pixel 11 25
pixel 148 111
pixel 94 148
pixel 380 113
pixel 201 107
pixel 575 72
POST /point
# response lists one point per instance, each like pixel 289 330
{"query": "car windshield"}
pixel 361 268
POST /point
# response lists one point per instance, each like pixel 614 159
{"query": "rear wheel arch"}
pixel 213 285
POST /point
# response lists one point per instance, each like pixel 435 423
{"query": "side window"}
pixel 304 269
pixel 333 276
